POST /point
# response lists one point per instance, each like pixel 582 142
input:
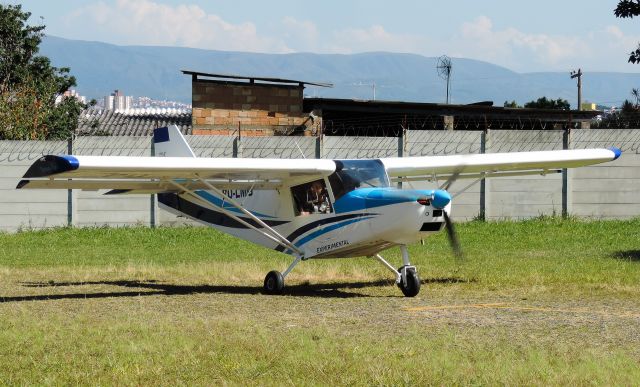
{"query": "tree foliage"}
pixel 629 9
pixel 29 83
pixel 512 104
pixel 545 103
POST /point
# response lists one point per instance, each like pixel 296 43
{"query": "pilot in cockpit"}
pixel 316 200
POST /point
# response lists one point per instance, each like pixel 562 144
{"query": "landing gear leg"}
pixel 274 281
pixel 410 282
pixel 406 276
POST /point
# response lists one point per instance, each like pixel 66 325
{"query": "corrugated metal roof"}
pixel 95 122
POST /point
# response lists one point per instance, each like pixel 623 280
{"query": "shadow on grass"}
pixel 154 288
pixel 627 255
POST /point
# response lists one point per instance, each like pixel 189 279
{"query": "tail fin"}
pixel 169 142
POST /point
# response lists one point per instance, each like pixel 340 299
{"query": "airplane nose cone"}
pixel 440 199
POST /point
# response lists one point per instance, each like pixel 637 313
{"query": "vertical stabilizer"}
pixel 169 142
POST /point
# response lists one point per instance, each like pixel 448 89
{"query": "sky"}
pixel 524 36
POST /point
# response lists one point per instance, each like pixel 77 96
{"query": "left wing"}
pixel 494 164
pixel 155 174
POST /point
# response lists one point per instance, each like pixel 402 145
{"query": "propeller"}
pixel 452 235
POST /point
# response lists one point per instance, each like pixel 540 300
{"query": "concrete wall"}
pixel 606 191
pixel 32 208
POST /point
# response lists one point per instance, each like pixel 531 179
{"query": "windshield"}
pixel 352 174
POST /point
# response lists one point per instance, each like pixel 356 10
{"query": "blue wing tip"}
pixel 51 165
pixel 616 151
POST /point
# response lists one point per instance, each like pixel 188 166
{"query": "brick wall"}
pixel 259 109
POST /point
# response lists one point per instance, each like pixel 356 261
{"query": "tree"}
pixel 512 104
pixel 544 103
pixel 29 83
pixel 629 9
pixel 636 94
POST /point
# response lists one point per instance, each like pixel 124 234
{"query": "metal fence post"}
pixel 402 147
pixel 71 195
pixel 484 190
pixel 567 189
pixel 319 147
pixel 153 203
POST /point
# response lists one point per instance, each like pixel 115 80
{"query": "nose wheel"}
pixel 409 281
pixel 406 276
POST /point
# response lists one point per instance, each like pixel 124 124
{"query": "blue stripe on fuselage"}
pixel 364 198
pixel 327 229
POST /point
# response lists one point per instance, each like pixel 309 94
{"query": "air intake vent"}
pixel 432 226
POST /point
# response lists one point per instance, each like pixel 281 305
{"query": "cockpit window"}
pixel 352 174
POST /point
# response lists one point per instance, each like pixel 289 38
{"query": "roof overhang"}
pixel 196 76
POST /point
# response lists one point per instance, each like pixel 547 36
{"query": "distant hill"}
pixel 155 72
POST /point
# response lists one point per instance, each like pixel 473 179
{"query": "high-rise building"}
pixel 118 101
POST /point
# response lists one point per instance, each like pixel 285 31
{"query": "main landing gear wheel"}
pixel 273 282
pixel 409 281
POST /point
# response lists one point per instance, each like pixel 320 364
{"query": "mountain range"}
pixel 155 72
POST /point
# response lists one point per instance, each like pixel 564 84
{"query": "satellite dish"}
pixel 444 71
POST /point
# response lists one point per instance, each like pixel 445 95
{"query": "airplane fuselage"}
pixel 363 221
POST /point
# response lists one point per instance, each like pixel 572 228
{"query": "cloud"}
pixel 479 39
pixel 146 22
pixel 374 38
pixel 151 22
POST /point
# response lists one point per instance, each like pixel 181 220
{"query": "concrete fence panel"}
pixel 29 209
pixel 338 147
pixel 524 196
pixel 94 208
pixel 610 190
pixel 466 204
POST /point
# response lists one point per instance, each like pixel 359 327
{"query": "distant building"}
pixel 588 106
pixel 118 101
pixel 71 94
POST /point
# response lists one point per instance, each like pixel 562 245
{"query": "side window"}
pixel 311 198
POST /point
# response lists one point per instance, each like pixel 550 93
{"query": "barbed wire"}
pixel 414 143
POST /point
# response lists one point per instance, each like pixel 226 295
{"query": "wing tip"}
pixel 22 183
pixel 51 165
pixel 616 151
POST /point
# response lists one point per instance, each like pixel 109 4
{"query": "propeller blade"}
pixel 453 236
pixel 452 179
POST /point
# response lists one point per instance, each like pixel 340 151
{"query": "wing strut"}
pixel 272 234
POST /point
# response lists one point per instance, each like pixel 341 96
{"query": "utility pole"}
pixel 578 74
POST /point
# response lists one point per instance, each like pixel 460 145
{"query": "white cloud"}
pixel 149 23
pixel 374 38
pixel 512 47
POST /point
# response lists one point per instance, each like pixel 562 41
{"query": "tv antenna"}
pixel 444 71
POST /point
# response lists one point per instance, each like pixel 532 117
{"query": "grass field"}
pixel 538 302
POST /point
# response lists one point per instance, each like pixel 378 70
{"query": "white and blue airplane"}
pixel 307 208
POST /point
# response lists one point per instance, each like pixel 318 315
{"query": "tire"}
pixel 273 282
pixel 412 288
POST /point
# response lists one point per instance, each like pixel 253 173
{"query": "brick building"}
pixel 251 106
pixel 224 104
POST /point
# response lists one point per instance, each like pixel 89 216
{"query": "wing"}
pixel 156 174
pixel 494 164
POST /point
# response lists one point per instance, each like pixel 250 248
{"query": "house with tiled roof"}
pixel 132 122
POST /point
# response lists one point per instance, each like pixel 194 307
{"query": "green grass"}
pixel 545 301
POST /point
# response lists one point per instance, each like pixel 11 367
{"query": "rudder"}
pixel 169 142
